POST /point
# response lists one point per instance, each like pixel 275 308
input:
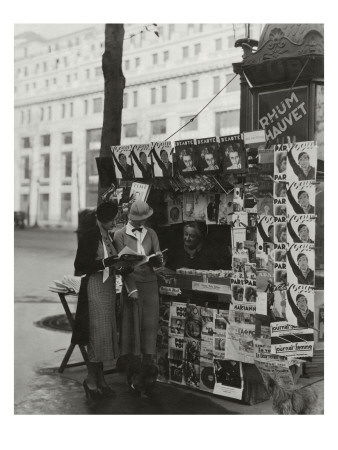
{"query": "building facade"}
pixel 59 90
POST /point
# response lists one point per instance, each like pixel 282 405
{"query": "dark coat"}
pixel 85 264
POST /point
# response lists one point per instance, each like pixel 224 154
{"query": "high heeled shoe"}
pixel 91 393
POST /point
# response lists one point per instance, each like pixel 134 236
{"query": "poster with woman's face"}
pixel 233 154
pixel 186 159
pixel 122 162
pixel 265 206
pixel 208 155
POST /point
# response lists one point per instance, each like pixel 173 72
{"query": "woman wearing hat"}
pixel 95 320
pixel 140 300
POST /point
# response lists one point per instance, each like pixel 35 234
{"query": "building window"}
pixel 130 130
pixel 192 126
pixel 87 74
pixel 75 76
pixel 183 90
pixel 165 56
pixel 227 122
pixel 126 64
pixel 29 116
pixel 153 96
pixel 42 114
pixel 45 160
pixel 54 80
pixel 125 100
pixel 218 44
pixel 200 29
pixel 185 52
pixel 63 112
pixel 98 71
pixel 217 84
pixel 44 207
pixel 68 79
pixel 67 164
pixel 158 126
pixel 71 109
pixel 86 107
pixel 135 98
pixel 37 68
pixel 67 138
pixel 97 105
pixel 26 142
pixel 137 62
pixel 197 49
pixel 234 85
pixel 155 58
pixel 27 87
pixel 25 175
pixel 195 88
pixel 66 206
pixel 45 140
pixel 191 27
pixel 164 94
pixel 49 113
pixel 94 139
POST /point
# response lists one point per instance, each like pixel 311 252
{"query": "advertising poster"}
pixel 239 219
pixel 122 162
pixel 301 198
pixel 302 161
pixel 265 269
pixel 239 259
pixel 162 159
pixel 207 376
pixel 280 198
pixel 289 340
pixel 229 379
pixel 250 290
pixel 219 346
pixel 301 264
pixel 208 325
pixel 239 342
pixel 301 229
pixel 265 206
pixel 140 155
pixel 209 160
pixel 300 306
pixel 176 372
pixel 186 158
pixel 192 350
pixel 232 153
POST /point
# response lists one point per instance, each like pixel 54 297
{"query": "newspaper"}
pixel 239 342
pixel 289 340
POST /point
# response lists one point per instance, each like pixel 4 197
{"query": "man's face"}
pixel 187 161
pixel 303 200
pixel 304 161
pixel 271 233
pixel 164 157
pixel 283 237
pixel 304 234
pixel 209 158
pixel 123 160
pixel 302 303
pixel 282 166
pixel 234 158
pixel 303 263
pixel 190 238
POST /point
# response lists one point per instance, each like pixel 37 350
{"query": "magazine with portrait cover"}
pixel 239 342
pixel 238 236
pixel 291 341
pixel 280 198
pixel 250 197
pixel 242 312
pixel 281 234
pixel 186 158
pixel 176 372
pixel 122 162
pixel 301 198
pixel 177 343
pixel 221 321
pixel 193 322
pixel 239 219
pixel 228 379
pixel 207 376
pixel 178 309
pixel 250 270
pixel 300 305
pixel 139 191
pixel 265 230
pixel 281 162
pixel 141 157
pixel 238 198
pixel 302 161
pixel 239 259
pixel 174 213
pixel 301 265
pixel 207 347
pixel 219 346
pixel 225 208
pixel 192 350
pixel 250 290
pixel 191 374
pixel 195 206
pixel 162 157
pixel 212 209
pixel 237 282
pixel 208 155
pixel 265 205
pixel 177 325
pixel 301 229
pixel 232 153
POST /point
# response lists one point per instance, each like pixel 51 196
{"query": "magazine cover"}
pixel 174 214
pixel 221 320
pixel 192 350
pixel 239 219
pixel 239 342
pixel 239 259
pixel 241 312
pixel 141 157
pixel 161 153
pixel 176 372
pixel 232 153
pixel 265 230
pixel 237 288
pixel 238 236
pixel 265 161
pixel 207 347
pixel 122 162
pixel 176 347
pixel 225 208
pixel 191 373
pixel 265 206
pixel 280 199
pixel 207 376
pixel 139 191
pixel 228 379
pixel 252 160
pixel 301 264
pixel 178 309
pixel 195 206
pixel 212 208
pixel 289 340
pixel 250 197
pixel 301 198
pixel 208 155
pixel 265 269
pixel 177 325
pixel 302 161
pixel 219 347
pixel 186 158
pixel 281 235
pixel 238 198
pixel 301 229
pixel 281 161
pixel 250 290
pixel 300 306
pixel 262 303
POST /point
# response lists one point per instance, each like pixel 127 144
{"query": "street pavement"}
pixel 42 256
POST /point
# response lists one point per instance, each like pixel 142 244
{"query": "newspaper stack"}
pixel 69 285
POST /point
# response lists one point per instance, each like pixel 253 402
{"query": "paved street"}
pixel 42 256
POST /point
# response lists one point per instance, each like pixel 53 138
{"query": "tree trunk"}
pixel 114 83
